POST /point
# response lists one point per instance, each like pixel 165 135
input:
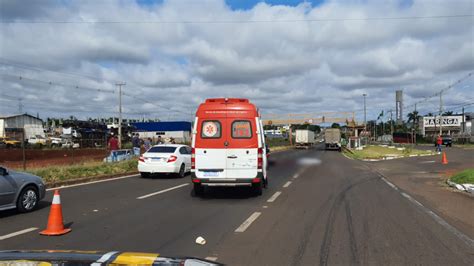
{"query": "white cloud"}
pixel 299 66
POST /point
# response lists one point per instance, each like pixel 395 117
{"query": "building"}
pixel 180 131
pixel 451 125
pixel 13 125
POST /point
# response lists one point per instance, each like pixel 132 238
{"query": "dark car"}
pixel 447 140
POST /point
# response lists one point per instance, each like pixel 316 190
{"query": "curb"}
pixel 86 179
pixel 469 188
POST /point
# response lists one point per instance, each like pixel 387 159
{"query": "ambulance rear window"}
pixel 211 129
pixel 241 129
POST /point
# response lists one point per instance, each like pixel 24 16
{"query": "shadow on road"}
pixel 226 193
pixel 41 205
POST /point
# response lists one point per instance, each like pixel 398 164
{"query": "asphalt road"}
pixel 320 209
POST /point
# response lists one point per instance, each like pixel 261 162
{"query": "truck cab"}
pixel 228 146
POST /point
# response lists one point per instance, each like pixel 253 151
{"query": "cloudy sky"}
pixel 64 57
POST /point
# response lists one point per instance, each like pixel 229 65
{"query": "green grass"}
pixel 276 142
pixel 464 177
pixel 60 173
pixel 379 152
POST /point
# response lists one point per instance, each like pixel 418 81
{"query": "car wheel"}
pixel 198 190
pixel 28 199
pixel 182 171
pixel 145 175
pixel 258 188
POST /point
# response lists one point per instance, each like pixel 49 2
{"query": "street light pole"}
pixel 120 84
pixel 365 113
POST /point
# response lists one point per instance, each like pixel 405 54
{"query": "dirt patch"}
pixel 13 158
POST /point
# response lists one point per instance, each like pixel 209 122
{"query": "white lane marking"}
pixel 247 222
pixel 24 231
pixel 264 206
pixel 441 221
pixel 389 183
pixel 287 184
pixel 162 191
pixel 295 176
pixel 428 162
pixel 274 196
pixel 211 258
pixel 92 182
pixel 104 258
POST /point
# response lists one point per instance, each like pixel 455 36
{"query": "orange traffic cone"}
pixel 444 160
pixel 55 220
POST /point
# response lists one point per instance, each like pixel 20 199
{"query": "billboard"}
pixel 448 121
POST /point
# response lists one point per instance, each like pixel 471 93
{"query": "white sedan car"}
pixel 165 158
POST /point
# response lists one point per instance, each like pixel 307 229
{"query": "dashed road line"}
pixel 274 196
pixel 92 182
pixel 17 233
pixel 287 184
pixel 247 222
pixel 295 176
pixel 162 191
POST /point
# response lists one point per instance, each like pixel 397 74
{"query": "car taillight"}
pixel 193 158
pixel 172 159
pixel 141 159
pixel 260 158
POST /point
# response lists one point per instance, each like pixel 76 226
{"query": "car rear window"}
pixel 211 129
pixel 241 129
pixel 162 149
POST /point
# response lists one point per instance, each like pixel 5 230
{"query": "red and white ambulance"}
pixel 228 146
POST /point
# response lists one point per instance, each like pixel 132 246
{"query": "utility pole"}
pixel 120 84
pixel 391 122
pixel 365 113
pixel 415 123
pixel 440 113
pixel 463 122
pixel 20 106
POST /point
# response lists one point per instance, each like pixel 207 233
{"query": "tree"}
pixel 448 113
pixel 335 125
pixel 413 116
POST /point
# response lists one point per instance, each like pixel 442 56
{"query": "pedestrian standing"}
pixel 159 140
pixel 439 141
pixel 113 147
pixel 136 144
pixel 147 144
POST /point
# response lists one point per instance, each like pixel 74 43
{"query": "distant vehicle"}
pixel 447 140
pixel 166 159
pixel 228 146
pixel 37 140
pixel 69 144
pixel 20 190
pixel 10 143
pixel 55 142
pixel 332 139
pixel 304 138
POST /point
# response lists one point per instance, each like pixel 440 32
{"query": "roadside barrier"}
pixel 55 220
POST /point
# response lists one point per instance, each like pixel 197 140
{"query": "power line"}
pixel 230 21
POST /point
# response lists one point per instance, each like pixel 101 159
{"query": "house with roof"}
pixel 13 125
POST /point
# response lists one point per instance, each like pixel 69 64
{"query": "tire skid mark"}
pixel 328 232
pixel 350 228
